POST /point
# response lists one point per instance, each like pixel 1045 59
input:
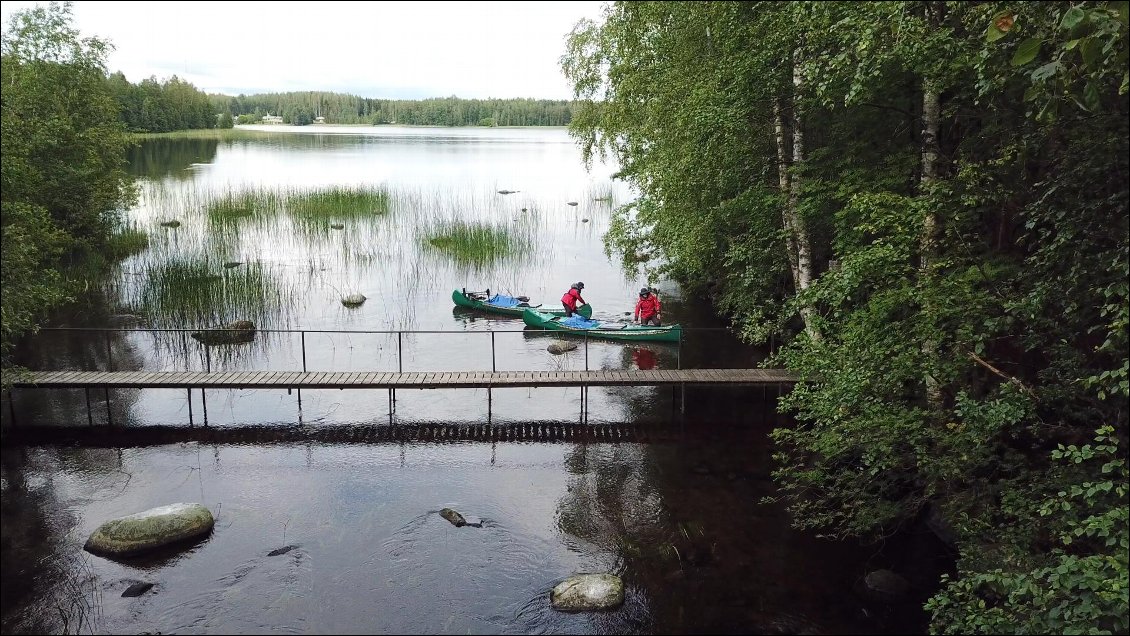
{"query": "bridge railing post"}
pixel 586 351
pixel 207 358
pixel 400 351
pixel 493 364
pixel 304 351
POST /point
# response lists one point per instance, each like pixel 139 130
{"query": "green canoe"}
pixel 506 305
pixel 598 329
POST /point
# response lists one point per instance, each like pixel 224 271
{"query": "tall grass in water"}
pixel 197 291
pixel 478 243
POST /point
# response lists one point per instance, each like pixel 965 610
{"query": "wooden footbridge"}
pixel 208 379
pixel 398 380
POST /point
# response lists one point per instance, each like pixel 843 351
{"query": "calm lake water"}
pixel 671 502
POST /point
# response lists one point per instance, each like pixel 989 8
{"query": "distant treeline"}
pixel 174 104
pixel 338 108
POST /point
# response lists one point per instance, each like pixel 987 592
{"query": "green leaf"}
pixel 1026 52
pixel 1073 17
pixel 1045 71
pixel 1090 51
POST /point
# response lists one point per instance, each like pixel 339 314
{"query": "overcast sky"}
pixel 405 50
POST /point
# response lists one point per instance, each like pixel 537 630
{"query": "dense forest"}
pixel 929 199
pixel 155 107
pixel 304 107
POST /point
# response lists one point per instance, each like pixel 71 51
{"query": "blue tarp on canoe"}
pixel 578 321
pixel 499 300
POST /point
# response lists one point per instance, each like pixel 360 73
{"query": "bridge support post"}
pixel 190 422
pixel 12 406
pixel 204 401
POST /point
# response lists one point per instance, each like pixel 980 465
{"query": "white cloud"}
pixel 374 49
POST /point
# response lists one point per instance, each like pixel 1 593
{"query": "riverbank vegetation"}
pixel 930 200
pixel 63 182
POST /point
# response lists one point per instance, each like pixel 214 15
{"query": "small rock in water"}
pixel 572 203
pixel 232 264
pixel 282 550
pixel 353 300
pixel 338 226
pixel 587 592
pixel 558 348
pixel 170 223
pixel 884 586
pixel 137 589
pixel 507 191
pixel 455 518
pixel 584 220
pixel 525 209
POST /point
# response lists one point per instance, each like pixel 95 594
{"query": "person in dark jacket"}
pixel 571 298
pixel 647 308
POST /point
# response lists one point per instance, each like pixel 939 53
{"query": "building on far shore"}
pixel 319 120
pixel 272 119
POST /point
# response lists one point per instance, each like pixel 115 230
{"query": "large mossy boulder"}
pixel 149 530
pixel 588 592
pixel 232 333
pixel 884 586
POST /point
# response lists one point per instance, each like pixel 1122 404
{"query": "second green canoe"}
pixel 598 329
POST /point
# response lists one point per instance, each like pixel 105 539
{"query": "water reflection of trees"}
pixel 46 584
pixel 158 158
pixel 682 523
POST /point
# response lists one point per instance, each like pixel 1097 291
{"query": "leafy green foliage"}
pixel 1020 294
pixel 62 153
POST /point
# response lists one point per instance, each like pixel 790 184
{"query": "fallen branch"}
pixel 1004 375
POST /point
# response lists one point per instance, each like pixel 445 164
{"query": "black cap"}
pixel 580 285
pixel 644 291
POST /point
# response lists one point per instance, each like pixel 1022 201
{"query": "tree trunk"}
pixel 803 270
pixel 931 112
pixel 783 175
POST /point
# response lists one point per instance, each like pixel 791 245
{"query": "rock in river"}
pixel 238 331
pixel 587 592
pixel 353 300
pixel 559 347
pixel 137 589
pixel 455 518
pixel 151 529
pixel 884 586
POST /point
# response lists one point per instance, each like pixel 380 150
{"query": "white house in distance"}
pixel 272 119
pixel 319 120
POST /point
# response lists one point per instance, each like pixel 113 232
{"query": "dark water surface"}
pixel 670 502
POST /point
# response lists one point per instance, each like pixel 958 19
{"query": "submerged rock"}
pixel 337 226
pixel 232 333
pixel 584 220
pixel 587 592
pixel 508 191
pixel 173 223
pixel 124 320
pixel 282 550
pixel 572 203
pixel 137 589
pixel 884 586
pixel 455 518
pixel 151 529
pixel 231 264
pixel 353 300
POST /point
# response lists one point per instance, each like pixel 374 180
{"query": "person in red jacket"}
pixel 571 297
pixel 647 308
